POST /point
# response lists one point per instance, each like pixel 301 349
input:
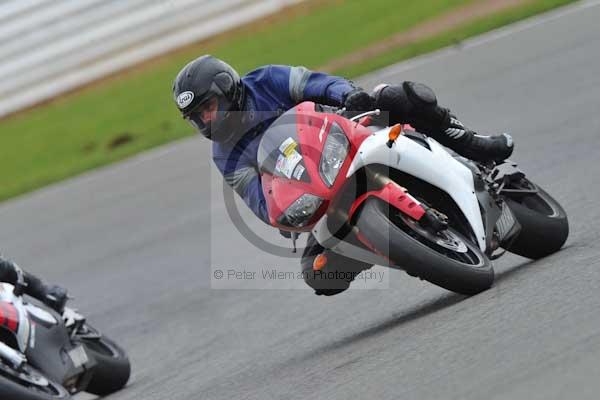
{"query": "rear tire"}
pixel 113 369
pixel 421 258
pixel 544 224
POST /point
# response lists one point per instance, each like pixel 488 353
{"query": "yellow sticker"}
pixel 290 149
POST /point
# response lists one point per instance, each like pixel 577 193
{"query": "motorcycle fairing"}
pixel 434 166
pixel 52 353
pixel 9 318
pixel 46 344
pixel 14 317
pixel 302 130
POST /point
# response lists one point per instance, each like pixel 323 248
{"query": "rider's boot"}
pixel 473 146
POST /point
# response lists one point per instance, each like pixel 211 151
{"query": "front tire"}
pixel 28 384
pixel 466 270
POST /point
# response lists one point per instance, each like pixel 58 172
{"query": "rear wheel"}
pixel 28 384
pixel 544 222
pixel 112 370
pixel 446 259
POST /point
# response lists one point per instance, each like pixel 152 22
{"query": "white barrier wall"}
pixel 48 47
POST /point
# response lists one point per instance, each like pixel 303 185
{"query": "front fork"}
pixel 390 192
pixel 398 196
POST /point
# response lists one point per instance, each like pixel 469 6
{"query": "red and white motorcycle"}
pixel 391 196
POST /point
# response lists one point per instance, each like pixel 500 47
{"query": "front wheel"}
pixel 112 370
pixel 28 384
pixel 446 259
pixel 544 223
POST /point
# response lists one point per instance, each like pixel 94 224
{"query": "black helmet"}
pixel 208 92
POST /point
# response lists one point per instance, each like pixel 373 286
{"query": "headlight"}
pixel 300 211
pixel 334 154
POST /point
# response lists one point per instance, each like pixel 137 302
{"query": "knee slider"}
pixel 328 292
pixel 325 281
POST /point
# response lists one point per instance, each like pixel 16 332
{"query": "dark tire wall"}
pixel 10 390
pixel 112 371
pixel 418 259
pixel 541 235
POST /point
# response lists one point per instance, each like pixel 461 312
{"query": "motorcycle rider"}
pixel 235 111
pixel 53 296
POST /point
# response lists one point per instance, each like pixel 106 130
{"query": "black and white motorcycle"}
pixel 45 355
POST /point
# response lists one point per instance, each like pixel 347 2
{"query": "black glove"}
pixel 285 234
pixel 359 100
pixel 55 297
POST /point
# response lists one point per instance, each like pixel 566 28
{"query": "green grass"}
pixel 452 36
pixel 72 134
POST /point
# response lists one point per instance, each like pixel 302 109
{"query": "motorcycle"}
pixel 394 197
pixel 48 356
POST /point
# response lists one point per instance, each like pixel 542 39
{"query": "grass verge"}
pixel 133 111
pixel 452 36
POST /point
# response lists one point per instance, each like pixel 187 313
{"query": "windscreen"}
pixel 279 152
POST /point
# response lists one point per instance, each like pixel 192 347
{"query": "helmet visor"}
pixel 209 114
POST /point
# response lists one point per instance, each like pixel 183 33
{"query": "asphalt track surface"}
pixel 137 243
